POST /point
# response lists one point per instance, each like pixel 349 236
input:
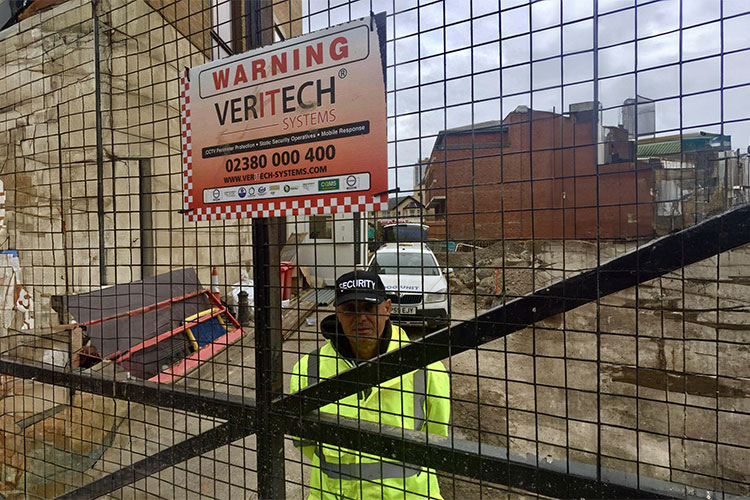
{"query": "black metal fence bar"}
pixel 204 442
pixel 268 369
pixel 241 410
pixel 455 456
pixel 483 462
pixel 696 243
pixel 669 253
pixel 699 242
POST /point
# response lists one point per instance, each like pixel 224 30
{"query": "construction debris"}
pixel 159 328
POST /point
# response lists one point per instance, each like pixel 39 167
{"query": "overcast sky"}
pixel 540 54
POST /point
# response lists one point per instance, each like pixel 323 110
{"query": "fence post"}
pixel 267 241
pixel 99 148
pixel 268 362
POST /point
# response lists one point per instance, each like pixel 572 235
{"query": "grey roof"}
pixel 396 201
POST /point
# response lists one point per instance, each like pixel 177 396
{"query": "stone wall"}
pixel 48 152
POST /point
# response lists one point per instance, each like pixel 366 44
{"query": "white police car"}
pixel 414 282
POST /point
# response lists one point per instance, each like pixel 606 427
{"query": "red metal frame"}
pixel 198 357
pixel 141 310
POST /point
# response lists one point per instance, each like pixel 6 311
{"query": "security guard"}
pixel 361 330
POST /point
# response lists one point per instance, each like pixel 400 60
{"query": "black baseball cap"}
pixel 359 285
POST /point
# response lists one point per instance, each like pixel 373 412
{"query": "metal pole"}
pixel 267 239
pixel 148 257
pixel 99 150
pixel 268 367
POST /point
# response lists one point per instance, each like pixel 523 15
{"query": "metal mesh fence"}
pixel 563 247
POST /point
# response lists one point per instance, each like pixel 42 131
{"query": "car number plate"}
pixel 404 310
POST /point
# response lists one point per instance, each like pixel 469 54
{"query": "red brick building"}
pixel 535 175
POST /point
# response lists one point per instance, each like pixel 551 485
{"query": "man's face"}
pixel 363 322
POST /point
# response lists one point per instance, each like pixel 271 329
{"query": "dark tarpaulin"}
pixel 127 331
pixel 149 361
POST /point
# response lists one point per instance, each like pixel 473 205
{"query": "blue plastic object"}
pixel 207 331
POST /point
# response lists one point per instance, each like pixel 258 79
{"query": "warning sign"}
pixel 295 128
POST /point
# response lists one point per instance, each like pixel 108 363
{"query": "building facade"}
pixel 539 174
pixel 93 185
pixel 693 177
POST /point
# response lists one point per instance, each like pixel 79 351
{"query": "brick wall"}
pixel 542 183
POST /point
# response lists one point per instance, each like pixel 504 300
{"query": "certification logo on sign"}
pixel 295 128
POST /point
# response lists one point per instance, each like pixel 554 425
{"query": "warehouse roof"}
pixel 676 144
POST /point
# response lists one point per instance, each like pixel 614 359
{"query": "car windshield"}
pixel 414 264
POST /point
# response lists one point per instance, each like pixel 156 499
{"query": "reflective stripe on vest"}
pixel 313 367
pixel 420 395
pixel 367 471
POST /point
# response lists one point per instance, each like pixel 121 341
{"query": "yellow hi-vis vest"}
pixel 418 400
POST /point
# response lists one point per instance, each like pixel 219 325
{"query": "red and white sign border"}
pixel 263 208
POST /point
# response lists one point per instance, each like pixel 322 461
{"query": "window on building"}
pixel 321 227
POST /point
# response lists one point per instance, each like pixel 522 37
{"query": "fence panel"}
pixel 563 247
